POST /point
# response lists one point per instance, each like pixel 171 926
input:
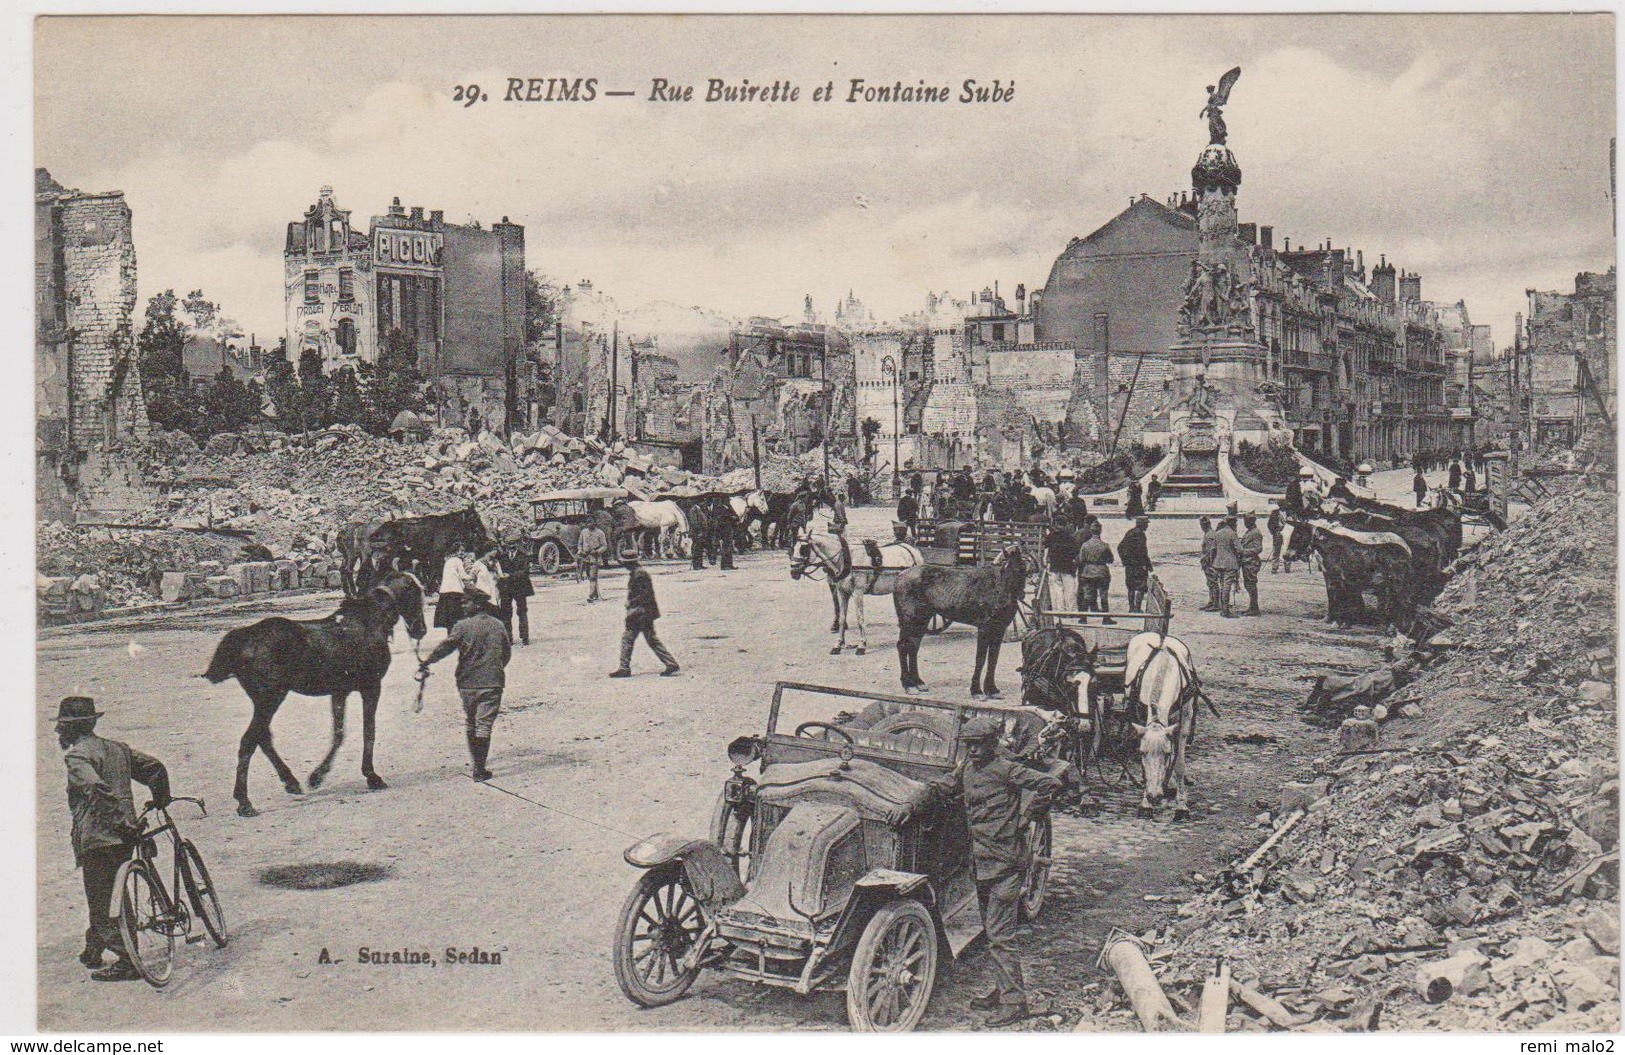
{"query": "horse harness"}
pixel 1189 694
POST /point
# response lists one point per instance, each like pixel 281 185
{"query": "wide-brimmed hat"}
pixel 76 709
pixel 475 595
pixel 630 553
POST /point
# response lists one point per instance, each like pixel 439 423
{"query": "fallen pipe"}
pixel 1144 992
pixel 1438 981
pixel 1269 1007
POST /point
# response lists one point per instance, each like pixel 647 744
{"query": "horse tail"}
pixel 228 655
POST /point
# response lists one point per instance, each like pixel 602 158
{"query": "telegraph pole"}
pixel 614 378
pixel 829 410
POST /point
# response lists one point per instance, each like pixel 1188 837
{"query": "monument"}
pixel 1219 395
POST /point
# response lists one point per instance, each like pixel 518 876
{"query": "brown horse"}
pixel 344 653
pixel 984 597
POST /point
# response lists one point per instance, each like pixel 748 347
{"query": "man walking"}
pixel 1095 574
pixel 1252 558
pixel 104 822
pixel 1226 562
pixel 1207 566
pixel 1455 475
pixel 641 612
pixel 1136 557
pixel 1276 525
pixel 516 587
pixel 592 550
pixel 483 650
pixel 1419 484
pixel 1061 556
pixel 724 528
pixel 993 788
pixel 908 510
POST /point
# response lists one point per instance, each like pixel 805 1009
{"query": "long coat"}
pixel 99 775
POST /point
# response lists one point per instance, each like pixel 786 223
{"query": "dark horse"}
pixel 984 597
pixel 344 653
pixel 367 549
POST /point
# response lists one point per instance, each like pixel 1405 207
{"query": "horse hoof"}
pixel 1180 815
pixel 862 651
pixel 995 695
pixel 977 696
pixel 376 782
pixel 293 788
pixel 245 810
pixel 314 780
pixel 835 651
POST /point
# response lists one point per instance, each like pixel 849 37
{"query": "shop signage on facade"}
pixel 406 249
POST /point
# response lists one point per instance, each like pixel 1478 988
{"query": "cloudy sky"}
pixel 1473 149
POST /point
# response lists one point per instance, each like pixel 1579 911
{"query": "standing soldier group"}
pixel 1230 561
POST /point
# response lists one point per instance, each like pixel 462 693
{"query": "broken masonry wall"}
pixel 100 277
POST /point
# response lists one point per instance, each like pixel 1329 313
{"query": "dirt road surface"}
pixel 601 763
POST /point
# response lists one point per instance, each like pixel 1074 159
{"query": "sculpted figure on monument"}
pixel 1217 97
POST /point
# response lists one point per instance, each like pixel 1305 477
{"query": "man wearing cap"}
pixel 1135 554
pixel 1207 566
pixel 1277 526
pixel 1226 562
pixel 104 821
pixel 641 612
pixel 1252 559
pixel 993 789
pixel 483 650
pixel 908 509
pixel 516 587
pixel 593 550
pixel 1095 573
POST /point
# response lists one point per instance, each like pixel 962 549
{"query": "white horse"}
pixel 1045 497
pixel 1161 680
pixel 665 518
pixel 872 570
pixel 746 504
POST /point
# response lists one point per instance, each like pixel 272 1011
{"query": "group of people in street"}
pixel 1080 561
pixel 1231 560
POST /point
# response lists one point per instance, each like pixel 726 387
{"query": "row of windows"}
pixel 313 286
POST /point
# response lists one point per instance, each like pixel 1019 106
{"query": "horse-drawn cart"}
pixel 1093 729
pixel 972 543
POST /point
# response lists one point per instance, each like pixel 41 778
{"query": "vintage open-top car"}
pixel 558 518
pixel 843 865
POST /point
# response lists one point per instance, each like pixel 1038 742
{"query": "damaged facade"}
pixel 1570 341
pixel 88 395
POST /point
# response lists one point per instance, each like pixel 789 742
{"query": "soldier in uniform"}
pixel 1252 559
pixel 993 787
pixel 1207 566
pixel 104 821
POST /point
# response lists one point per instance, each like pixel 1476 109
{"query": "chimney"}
pixel 1248 232
pixel 395 208
pixel 1286 245
pixel 1021 298
pixel 1382 281
pixel 417 212
pixel 1410 287
pixel 1359 261
pixel 1266 237
pixel 437 216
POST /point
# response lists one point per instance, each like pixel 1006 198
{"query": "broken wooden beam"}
pixel 1215 1003
pixel 1144 992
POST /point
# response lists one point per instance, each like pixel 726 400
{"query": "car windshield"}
pixel 909 728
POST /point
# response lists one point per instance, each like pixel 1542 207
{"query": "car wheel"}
pixel 1036 844
pixel 894 969
pixel 660 922
pixel 547 557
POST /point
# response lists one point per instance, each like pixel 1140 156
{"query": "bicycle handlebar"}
pixel 155 808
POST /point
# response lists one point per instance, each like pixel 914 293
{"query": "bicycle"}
pixel 150 915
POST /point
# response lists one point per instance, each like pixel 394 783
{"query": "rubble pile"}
pixel 126 567
pixel 292 494
pixel 1463 873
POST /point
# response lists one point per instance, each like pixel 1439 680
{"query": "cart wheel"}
pixel 1036 844
pixel 731 830
pixel 547 557
pixel 660 922
pixel 893 970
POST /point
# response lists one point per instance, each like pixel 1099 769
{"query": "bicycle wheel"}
pixel 143 922
pixel 201 893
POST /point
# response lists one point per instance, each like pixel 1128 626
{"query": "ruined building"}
pixel 87 378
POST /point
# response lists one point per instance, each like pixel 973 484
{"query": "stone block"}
pixel 259 577
pixel 286 574
pixel 335 579
pixel 211 567
pixel 179 585
pixel 53 588
pixel 220 586
pixel 240 572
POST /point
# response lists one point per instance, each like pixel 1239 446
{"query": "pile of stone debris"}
pixel 290 495
pixel 83 570
pixel 1463 872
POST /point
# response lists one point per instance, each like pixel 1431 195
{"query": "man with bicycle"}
pixel 104 821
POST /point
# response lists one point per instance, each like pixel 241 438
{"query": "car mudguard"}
pixel 711 876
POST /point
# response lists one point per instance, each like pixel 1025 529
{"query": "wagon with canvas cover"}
pixel 844 864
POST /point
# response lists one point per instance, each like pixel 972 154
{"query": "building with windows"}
pixel 1569 345
pixel 452 293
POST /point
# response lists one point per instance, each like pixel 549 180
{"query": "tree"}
pixel 228 404
pixel 396 384
pixel 282 387
pixel 541 307
pixel 171 401
pixel 348 406
pixel 314 392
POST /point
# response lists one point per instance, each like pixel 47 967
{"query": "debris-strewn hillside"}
pixel 1483 827
pixel 292 494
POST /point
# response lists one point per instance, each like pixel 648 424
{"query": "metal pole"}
pixel 896 434
pixel 614 378
pixel 829 416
